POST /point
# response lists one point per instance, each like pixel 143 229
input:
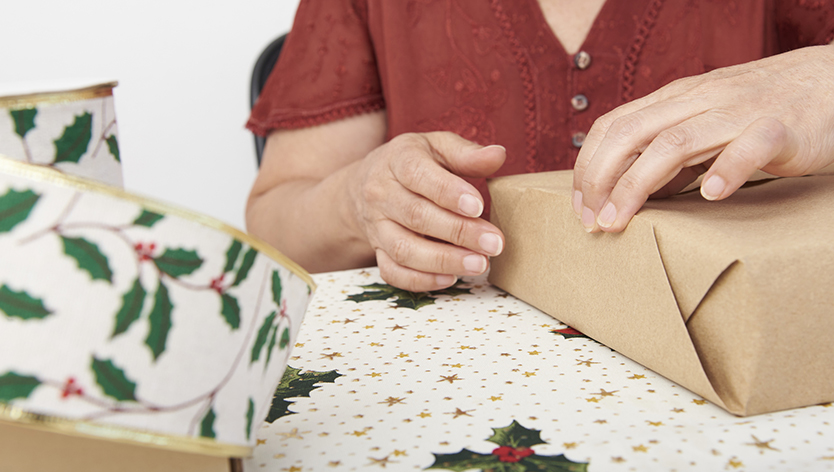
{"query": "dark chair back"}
pixel 263 67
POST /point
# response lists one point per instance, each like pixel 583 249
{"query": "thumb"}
pixel 463 157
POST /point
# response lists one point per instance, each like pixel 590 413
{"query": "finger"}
pixel 686 176
pixel 422 216
pixel 765 141
pixel 463 157
pixel 410 279
pixel 685 145
pixel 408 249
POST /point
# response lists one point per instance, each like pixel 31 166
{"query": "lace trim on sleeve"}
pixel 281 119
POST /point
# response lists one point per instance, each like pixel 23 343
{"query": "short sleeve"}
pixel 802 23
pixel 326 71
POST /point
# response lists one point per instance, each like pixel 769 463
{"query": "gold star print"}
pixel 424 415
pixel 358 433
pixel 431 320
pixel 459 412
pixel 456 366
pixel 827 458
pixel 373 374
pixel 640 448
pixel 510 314
pixel 279 456
pixel 655 423
pixel 463 348
pixel 398 453
pixel 506 354
pixel 299 344
pixel 735 464
pixel 493 311
pixel 365 273
pixel 401 355
pixel 494 398
pixel 334 463
pixel 617 459
pixel 601 421
pixel 360 416
pixel 263 441
pixel 380 462
pixel 449 378
pixel 529 374
pixel 345 321
pixel 570 445
pixel 592 400
pixel 396 327
pixel 292 469
pixel 762 445
pixel 586 363
pixel 444 443
pixel 637 376
pixel 420 336
pixel 699 402
pixel 391 401
pixel 375 344
pixel 533 353
pixel 369 326
pixel 477 329
pixel 603 393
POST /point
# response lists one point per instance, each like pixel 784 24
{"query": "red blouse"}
pixel 493 72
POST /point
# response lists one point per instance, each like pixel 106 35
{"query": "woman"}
pixel 384 117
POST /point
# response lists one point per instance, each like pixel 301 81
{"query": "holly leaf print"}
pixel 516 436
pixel 230 310
pixel 132 302
pixel 178 262
pixel 568 333
pixel 296 384
pixel 271 345
pixel 466 460
pixel 207 424
pixel 75 140
pixel 113 381
pixel 22 305
pixel 260 340
pixel 250 416
pixel 88 257
pixel 404 298
pixel 160 319
pixel 15 208
pixel 245 266
pixel 232 254
pixel 113 146
pixel 147 219
pixel 276 287
pixel 24 120
pixel 14 385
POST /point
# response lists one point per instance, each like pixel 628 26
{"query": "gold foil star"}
pixel 358 433
pixel 456 366
pixel 374 374
pixel 369 326
pixel 401 355
pixel 332 355
pixel 592 400
pixel 699 402
pixel 617 459
pixel 637 376
pixel 603 393
pixel 391 401
pixel 734 463
pixel 463 348
pixel 263 441
pixel 398 453
pixel 299 344
pixel 655 423
pixel 449 378
pixel 380 462
pixel 494 398
pixel 459 412
pixel 510 314
pixel 420 336
pixel 293 469
pixel 375 344
pixel 334 463
pixel 640 448
pixel 762 445
pixel 424 415
pixel 601 421
pixel 533 353
pixel 477 329
pixel 293 434
pixel 529 374
pixel 569 445
pixel 396 327
pixel 431 320
pixel 586 363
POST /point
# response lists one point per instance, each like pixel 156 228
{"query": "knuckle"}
pixel 416 215
pixel 446 263
pixel 632 184
pixel 401 251
pixel 624 128
pixel 457 232
pixel 677 140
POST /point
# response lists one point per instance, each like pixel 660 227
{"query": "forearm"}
pixel 311 222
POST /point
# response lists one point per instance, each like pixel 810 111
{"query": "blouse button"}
pixel 577 139
pixel 579 102
pixel 582 60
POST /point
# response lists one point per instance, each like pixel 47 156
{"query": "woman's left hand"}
pixel 775 114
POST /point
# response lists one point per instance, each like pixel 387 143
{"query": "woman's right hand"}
pixel 417 213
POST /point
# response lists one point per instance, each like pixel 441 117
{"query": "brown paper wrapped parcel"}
pixel 733 299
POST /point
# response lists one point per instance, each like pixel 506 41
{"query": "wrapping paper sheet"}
pixel 385 387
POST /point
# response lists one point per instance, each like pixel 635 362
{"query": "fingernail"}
pixel 588 219
pixel 577 203
pixel 713 187
pixel 470 206
pixel 445 280
pixel 475 263
pixel 607 216
pixel 491 243
pixel 496 146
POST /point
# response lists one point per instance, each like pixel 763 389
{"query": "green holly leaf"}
pixel 75 140
pixel 14 385
pixel 568 333
pixel 260 340
pixel 516 436
pixel 113 381
pixel 295 384
pixel 207 424
pixel 177 262
pixel 88 257
pixel 113 145
pixel 15 208
pixel 132 302
pixel 250 416
pixel 285 339
pixel 276 287
pixel 147 218
pixel 160 319
pixel 245 266
pixel 466 460
pixel 404 298
pixel 22 305
pixel 271 345
pixel 24 120
pixel 231 255
pixel 230 310
pixel 558 463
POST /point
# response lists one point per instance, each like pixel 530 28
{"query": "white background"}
pixel 183 68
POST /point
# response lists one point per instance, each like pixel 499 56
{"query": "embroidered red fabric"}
pixel 494 72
